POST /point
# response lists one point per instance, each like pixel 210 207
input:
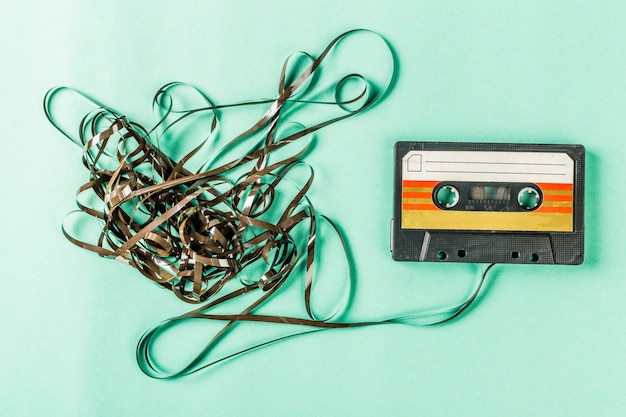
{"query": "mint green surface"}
pixel 542 341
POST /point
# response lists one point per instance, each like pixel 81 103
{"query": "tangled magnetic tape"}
pixel 199 222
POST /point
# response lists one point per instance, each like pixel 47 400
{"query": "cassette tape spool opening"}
pixel 448 195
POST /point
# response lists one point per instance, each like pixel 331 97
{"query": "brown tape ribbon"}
pixel 195 231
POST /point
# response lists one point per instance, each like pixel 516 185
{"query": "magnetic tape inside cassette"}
pixel 488 202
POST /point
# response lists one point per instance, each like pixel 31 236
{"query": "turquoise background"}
pixel 542 341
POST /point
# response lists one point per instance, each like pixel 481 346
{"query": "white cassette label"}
pixel 536 167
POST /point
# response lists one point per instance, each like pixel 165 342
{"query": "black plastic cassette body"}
pixel 488 202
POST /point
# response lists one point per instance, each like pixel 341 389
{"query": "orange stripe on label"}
pixel 548 209
pixel 412 183
pixel 416 194
pixel 555 186
pixel 409 206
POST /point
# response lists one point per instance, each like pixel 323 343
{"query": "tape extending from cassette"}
pixel 488 202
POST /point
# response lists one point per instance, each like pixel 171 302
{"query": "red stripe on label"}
pixel 412 183
pixel 409 206
pixel 554 186
pixel 548 209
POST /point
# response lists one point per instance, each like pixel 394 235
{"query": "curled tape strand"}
pixel 195 231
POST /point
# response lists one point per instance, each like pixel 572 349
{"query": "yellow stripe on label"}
pixel 558 192
pixel 485 220
pixel 557 204
pixel 418 189
pixel 418 201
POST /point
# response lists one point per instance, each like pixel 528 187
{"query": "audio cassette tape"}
pixel 488 202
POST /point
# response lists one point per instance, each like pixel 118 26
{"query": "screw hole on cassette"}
pixel 515 254
pixel 534 257
pixel 442 255
pixel 461 253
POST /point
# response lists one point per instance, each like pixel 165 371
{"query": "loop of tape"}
pixel 196 231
